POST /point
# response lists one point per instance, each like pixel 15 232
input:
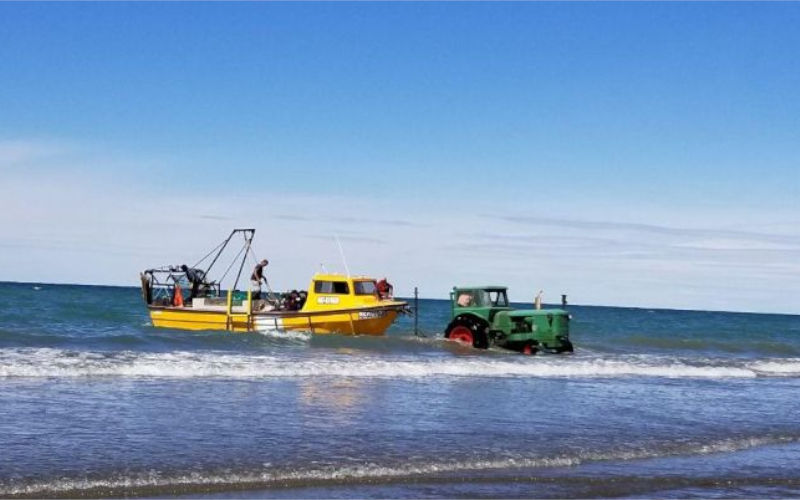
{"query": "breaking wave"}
pixel 49 362
pixel 154 483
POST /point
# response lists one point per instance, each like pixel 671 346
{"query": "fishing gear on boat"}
pixel 161 285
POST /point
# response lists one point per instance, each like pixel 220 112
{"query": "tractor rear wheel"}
pixel 469 331
pixel 461 333
pixel 566 346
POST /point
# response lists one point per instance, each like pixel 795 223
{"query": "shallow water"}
pixel 95 402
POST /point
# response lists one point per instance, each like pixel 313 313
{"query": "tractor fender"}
pixel 477 323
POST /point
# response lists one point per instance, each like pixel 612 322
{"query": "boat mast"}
pixel 248 240
pixel 221 249
pixel 224 245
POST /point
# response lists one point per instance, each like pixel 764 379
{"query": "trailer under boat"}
pixel 183 298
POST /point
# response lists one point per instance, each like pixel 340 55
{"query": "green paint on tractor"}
pixel 481 316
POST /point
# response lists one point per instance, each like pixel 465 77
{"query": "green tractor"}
pixel 481 316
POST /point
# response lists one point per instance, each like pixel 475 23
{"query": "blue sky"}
pixel 624 153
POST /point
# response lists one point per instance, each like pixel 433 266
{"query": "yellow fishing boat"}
pixel 183 297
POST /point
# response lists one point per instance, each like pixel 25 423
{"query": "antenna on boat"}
pixel 341 252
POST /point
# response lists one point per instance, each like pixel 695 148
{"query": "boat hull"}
pixel 362 321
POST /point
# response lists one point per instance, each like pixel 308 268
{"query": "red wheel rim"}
pixel 527 350
pixel 461 334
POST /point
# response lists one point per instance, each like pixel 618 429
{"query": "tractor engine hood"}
pixel 525 313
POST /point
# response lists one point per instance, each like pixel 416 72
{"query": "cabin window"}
pixel 339 287
pixel 498 298
pixel 365 288
pixel 473 298
pixel 465 300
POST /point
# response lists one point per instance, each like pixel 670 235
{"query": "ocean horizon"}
pixel 410 299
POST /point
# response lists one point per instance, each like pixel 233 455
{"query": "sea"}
pixel 95 402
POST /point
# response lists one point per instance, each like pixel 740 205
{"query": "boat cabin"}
pixel 337 291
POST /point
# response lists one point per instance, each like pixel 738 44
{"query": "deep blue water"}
pixel 95 402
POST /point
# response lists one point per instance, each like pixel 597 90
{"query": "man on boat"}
pixel 385 289
pixel 196 277
pixel 257 277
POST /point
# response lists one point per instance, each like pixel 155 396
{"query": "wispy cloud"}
pixel 16 152
pixel 350 220
pixel 704 232
pixel 292 217
pixel 595 239
pixel 381 222
pixel 356 239
pixel 543 240
pixel 68 226
pixel 213 217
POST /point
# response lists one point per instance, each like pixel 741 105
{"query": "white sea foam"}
pixel 48 362
pixel 776 367
pixel 292 336
pixel 373 472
